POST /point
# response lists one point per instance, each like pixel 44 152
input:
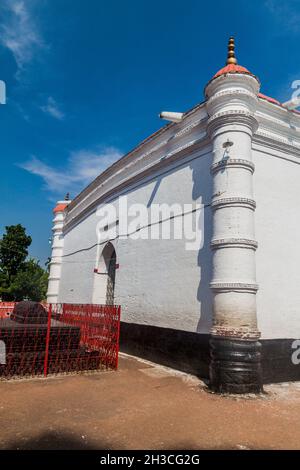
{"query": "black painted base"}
pixel 181 350
pixel 190 352
pixel 235 366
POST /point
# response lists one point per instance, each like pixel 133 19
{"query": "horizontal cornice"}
pixel 189 149
pixel 191 119
pixel 278 113
pixel 276 142
pixel 152 155
pixel 171 141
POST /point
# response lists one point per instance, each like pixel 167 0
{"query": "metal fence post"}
pixel 47 341
pixel 118 336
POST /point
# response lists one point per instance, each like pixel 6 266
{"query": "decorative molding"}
pixel 190 127
pixel 286 140
pixel 132 158
pixel 180 153
pixel 278 115
pixel 234 242
pixel 235 116
pixel 126 169
pixel 231 112
pixel 279 143
pixel 232 78
pixel 243 333
pixel 233 163
pixel 234 286
pixel 274 152
pixel 233 201
pixel 269 121
pixel 183 147
pixel 231 93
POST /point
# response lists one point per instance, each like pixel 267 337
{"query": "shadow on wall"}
pixel 202 193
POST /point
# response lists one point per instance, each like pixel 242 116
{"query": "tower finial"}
pixel 231 59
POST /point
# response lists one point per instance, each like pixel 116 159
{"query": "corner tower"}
pixel 235 351
pixel 57 250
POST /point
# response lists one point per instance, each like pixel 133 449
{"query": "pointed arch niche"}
pixel 104 276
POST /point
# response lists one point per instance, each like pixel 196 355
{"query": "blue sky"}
pixel 87 79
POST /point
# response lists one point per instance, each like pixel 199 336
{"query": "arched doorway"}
pixel 111 276
pixel 104 276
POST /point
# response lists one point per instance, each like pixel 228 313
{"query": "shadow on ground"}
pixel 54 441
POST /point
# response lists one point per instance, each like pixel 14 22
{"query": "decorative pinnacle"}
pixel 231 59
pixel 67 197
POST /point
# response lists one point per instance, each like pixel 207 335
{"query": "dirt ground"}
pixel 143 406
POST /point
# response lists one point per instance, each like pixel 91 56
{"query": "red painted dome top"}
pixel 61 205
pixel 59 208
pixel 232 68
pixel 231 63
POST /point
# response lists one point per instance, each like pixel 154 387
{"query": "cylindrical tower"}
pixel 57 251
pixel 235 350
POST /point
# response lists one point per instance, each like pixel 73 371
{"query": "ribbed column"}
pixel 57 252
pixel 235 351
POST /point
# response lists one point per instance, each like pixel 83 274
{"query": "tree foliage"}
pixel 13 249
pixel 20 278
pixel 30 282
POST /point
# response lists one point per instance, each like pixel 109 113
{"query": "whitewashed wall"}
pixel 158 282
pixel 277 221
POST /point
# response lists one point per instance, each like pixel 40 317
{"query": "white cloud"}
pixel 82 167
pixel 286 13
pixel 53 109
pixel 19 31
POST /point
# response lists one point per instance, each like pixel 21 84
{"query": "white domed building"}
pixel 230 309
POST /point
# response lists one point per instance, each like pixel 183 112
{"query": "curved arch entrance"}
pixel 111 277
pixel 104 277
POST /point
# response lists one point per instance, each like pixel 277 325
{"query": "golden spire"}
pixel 231 55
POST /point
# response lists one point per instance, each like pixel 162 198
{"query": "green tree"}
pixel 20 279
pixel 30 282
pixel 4 287
pixel 13 251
